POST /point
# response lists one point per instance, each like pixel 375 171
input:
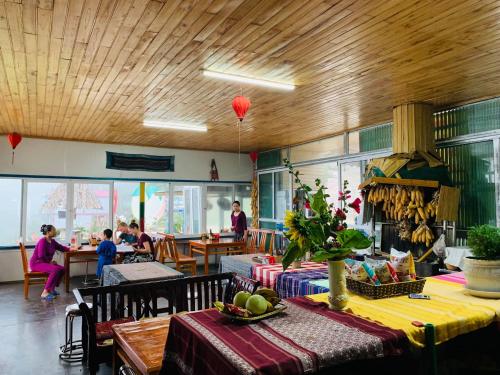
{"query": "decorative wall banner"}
pixel 139 162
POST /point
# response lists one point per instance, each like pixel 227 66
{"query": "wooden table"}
pixel 85 254
pixel 210 247
pixel 140 345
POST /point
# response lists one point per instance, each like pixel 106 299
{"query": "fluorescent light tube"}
pixel 248 80
pixel 175 125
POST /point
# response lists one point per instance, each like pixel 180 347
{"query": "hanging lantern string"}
pixel 12 162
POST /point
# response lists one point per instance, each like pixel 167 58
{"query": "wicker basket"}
pixel 385 290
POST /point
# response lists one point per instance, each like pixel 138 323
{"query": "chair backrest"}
pixel 240 283
pixel 171 247
pixel 259 240
pixel 24 258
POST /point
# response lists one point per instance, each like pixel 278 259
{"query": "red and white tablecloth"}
pixel 268 273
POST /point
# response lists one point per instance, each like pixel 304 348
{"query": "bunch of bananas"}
pixel 406 204
pixel 422 234
pixel 269 294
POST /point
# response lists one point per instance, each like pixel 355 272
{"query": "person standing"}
pixel 106 251
pixel 41 261
pixel 239 223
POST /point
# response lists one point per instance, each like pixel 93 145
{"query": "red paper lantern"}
pixel 254 155
pixel 241 106
pixel 14 140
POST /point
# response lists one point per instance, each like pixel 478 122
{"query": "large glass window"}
pixel 219 202
pixel 243 194
pixel 187 209
pixel 266 196
pixel 353 172
pixel 10 219
pixel 328 173
pixel 91 208
pixel 125 201
pixel 282 191
pixel 46 204
pixel 156 207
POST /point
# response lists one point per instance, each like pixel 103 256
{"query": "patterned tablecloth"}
pixel 117 274
pixel 267 273
pixel 306 338
pixel 450 310
pixel 240 264
pixel 293 284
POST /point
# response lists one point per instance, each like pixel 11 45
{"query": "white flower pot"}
pixel 482 275
pixel 338 297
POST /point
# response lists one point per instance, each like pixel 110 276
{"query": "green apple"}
pixel 256 304
pixel 240 299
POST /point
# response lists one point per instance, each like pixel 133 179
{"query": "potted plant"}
pixel 482 271
pixel 324 234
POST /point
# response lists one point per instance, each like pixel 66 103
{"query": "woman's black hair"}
pixel 108 233
pixel 46 228
pixel 134 225
pixel 237 202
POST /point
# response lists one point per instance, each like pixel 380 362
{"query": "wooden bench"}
pixel 114 304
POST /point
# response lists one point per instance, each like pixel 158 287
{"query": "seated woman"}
pixel 125 234
pixel 41 261
pixel 143 249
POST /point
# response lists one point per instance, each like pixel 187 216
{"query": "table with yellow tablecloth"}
pixel 449 310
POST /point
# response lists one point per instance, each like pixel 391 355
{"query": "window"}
pixel 219 207
pixel 45 204
pixel 187 209
pixel 282 190
pixel 156 215
pixel 266 196
pixel 328 173
pixel 10 219
pixel 353 172
pixel 125 201
pixel 91 208
pixel 319 149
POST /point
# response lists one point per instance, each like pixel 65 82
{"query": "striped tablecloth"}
pixel 456 277
pixel 240 264
pixel 306 338
pixel 267 273
pixel 293 284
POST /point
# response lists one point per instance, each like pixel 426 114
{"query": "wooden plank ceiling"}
pixel 91 70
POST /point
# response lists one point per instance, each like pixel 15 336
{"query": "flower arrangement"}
pixel 324 234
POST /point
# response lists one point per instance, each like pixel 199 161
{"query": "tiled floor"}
pixel 31 332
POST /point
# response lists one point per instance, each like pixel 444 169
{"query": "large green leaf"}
pixel 318 203
pixel 293 253
pixel 353 239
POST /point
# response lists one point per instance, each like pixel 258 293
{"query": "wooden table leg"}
pixel 66 271
pixel 206 261
pixel 190 250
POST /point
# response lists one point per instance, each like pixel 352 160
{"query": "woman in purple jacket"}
pixel 239 223
pixel 41 260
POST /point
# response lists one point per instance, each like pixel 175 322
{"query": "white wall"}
pixel 80 159
pixel 38 157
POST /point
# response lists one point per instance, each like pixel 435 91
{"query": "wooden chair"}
pixel 30 277
pixel 240 283
pixel 181 261
pixel 259 239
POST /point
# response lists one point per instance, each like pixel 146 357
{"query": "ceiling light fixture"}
pixel 175 125
pixel 250 81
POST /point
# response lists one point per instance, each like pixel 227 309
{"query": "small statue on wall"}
pixel 214 174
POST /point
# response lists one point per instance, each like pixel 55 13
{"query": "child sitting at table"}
pixel 106 251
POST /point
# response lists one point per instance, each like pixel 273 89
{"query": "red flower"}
pixel 356 205
pixel 340 214
pixel 307 205
pixel 340 228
